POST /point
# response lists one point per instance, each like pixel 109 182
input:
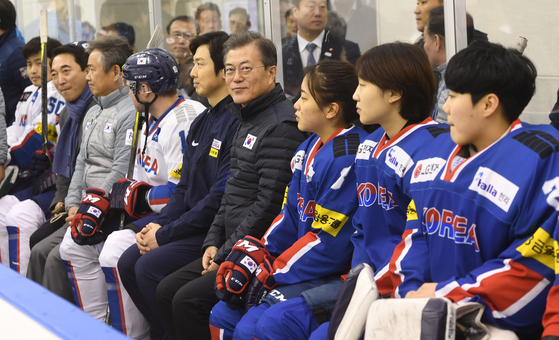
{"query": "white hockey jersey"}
pixel 160 165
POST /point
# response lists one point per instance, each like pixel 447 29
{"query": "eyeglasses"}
pixel 244 71
pixel 185 36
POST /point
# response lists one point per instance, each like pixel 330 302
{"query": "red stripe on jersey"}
pixel 274 224
pixel 297 250
pixel 383 143
pixel 384 282
pixel 399 252
pixel 550 319
pixel 318 145
pixel 215 332
pixel 490 286
pixel 120 302
pixel 159 201
pixel 27 137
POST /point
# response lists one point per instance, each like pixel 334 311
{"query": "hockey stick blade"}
pixel 156 38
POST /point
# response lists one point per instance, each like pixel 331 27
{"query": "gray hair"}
pixel 268 51
pixel 112 51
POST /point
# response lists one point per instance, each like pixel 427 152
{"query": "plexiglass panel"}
pixel 504 21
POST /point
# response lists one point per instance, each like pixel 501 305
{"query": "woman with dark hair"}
pixel 308 244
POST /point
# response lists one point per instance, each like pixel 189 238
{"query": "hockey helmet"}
pixel 155 67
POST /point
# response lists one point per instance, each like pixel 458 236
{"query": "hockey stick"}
pixel 44 80
pixel 155 40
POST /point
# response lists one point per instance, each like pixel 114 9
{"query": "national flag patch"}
pixel 108 128
pixel 142 61
pixel 249 141
pixel 129 137
pixel 249 263
pixel 94 211
pixel 23 72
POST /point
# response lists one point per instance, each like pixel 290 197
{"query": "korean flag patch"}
pixel 249 141
pixel 108 128
pixel 249 264
pixel 94 211
pixel 142 61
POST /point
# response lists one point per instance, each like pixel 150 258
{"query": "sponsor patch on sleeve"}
pixel 542 247
pixel 297 161
pixel 494 187
pixel 412 212
pixel 328 220
pixel 177 172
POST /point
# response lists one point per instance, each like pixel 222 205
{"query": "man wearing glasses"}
pixel 180 32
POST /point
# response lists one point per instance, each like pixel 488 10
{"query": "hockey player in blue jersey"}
pixel 152 76
pixel 395 90
pixel 483 210
pixel 314 225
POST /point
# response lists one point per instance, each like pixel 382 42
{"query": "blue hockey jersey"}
pixel 382 170
pixel 310 236
pixel 480 226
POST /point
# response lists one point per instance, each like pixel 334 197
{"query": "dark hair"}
pixel 123 30
pixel 483 68
pixel 240 10
pixel 215 41
pixel 184 18
pixel 205 7
pixel 7 15
pixel 288 13
pixel 34 47
pixel 435 24
pixel 268 52
pixel 404 68
pixel 333 81
pixel 113 51
pixel 79 53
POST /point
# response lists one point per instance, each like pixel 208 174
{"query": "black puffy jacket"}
pixel 265 142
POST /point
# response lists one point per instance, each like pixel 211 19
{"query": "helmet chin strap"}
pixel 144 117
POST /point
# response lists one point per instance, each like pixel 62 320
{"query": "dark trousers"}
pixel 185 299
pixel 141 274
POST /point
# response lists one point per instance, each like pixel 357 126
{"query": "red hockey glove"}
pixel 129 195
pixel 87 220
pixel 40 162
pixel 262 283
pixel 238 269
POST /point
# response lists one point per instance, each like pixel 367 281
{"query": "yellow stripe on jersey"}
pixel 177 172
pixel 328 220
pixel 541 247
pixel 52 134
pixel 412 212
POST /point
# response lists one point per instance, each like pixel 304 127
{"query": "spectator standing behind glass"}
pixel 311 44
pixel 421 12
pixel 435 47
pixel 180 31
pixel 123 30
pixel 291 24
pixel 208 17
pixel 13 72
pixel 361 21
pixel 239 20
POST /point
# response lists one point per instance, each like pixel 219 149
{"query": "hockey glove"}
pixel 93 208
pixel 130 195
pixel 40 162
pixel 45 181
pixel 238 269
pixel 262 283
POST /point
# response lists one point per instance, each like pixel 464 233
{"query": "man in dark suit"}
pixel 311 44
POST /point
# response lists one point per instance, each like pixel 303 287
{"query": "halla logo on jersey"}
pixel 399 161
pixel 494 187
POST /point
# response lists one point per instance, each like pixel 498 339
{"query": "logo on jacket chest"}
pixel 250 140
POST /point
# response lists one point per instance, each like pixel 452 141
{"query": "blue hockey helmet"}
pixel 155 67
